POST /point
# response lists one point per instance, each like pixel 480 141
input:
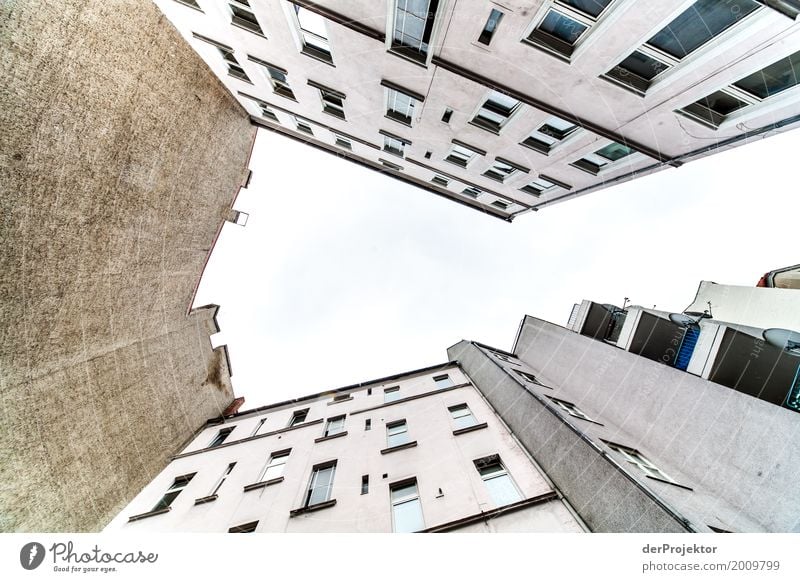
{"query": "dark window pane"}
pixel 614 151
pixel 642 65
pixel 722 103
pixel 592 8
pixel 562 27
pixel 701 22
pixel 495 16
pixel 773 79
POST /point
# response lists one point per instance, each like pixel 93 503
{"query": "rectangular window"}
pixel 342 397
pixel 394 145
pixel 368 424
pixel 443 381
pixel 275 465
pixel 538 187
pixel 178 485
pixel 461 154
pixel 278 80
pixel 471 191
pixel 343 142
pixel 495 16
pixel 242 15
pixel 643 463
pixel 768 82
pixel 528 377
pixel 390 165
pixel 334 426
pixel 502 169
pixel 303 126
pixel 565 24
pixel 406 507
pixel 244 528
pixel 462 416
pixel 298 416
pixel 364 484
pixel 495 112
pixel 234 68
pixel 220 437
pixel 448 113
pixel 190 3
pixel 440 181
pixel 498 482
pixel 550 134
pixel 692 29
pixel 258 426
pixel 267 112
pixel 313 34
pixel 221 480
pixel 396 433
pixel 332 101
pixel 505 358
pixel 500 204
pixel 400 106
pixel 600 159
pixel 413 27
pixel 391 394
pixel 570 409
pixel 320 486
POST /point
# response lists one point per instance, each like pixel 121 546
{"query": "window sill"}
pixel 315 507
pixel 262 484
pixel 350 398
pixel 148 514
pixel 466 429
pixel 329 437
pixel 485 128
pixel 409 55
pixel 669 482
pixel 207 499
pixel 322 59
pixel 398 120
pixel 399 447
pixel 243 80
pixel 248 29
pixel 190 5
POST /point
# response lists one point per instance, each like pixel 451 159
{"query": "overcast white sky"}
pixel 343 275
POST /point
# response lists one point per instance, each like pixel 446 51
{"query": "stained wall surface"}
pixel 120 156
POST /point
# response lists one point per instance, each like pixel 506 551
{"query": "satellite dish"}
pixel 682 320
pixel 784 339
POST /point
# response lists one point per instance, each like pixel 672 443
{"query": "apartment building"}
pixel 420 451
pixel 507 106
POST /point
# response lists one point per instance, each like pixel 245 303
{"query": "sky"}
pixel 343 275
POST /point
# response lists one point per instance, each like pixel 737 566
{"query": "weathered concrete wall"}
pixel 120 154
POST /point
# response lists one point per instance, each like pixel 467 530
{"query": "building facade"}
pixel 509 106
pixel 421 451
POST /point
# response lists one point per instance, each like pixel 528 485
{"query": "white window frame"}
pixel 301 35
pixel 643 463
pixel 407 51
pixel 222 478
pixel 401 436
pixel 297 414
pixel 513 112
pixel 276 459
pixel 592 25
pixel 334 425
pixel 390 99
pixel 227 430
pixel 545 190
pixel 244 23
pixel 456 413
pixel 558 143
pixel 391 390
pixel 410 498
pixel 469 154
pixel 571 409
pixel 501 473
pixel 313 485
pixel 176 488
pixel 609 165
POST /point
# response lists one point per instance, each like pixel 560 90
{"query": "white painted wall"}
pixel 759 307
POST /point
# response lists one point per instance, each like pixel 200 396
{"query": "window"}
pixel 221 480
pixel 391 394
pixel 278 80
pixel 413 27
pixel 313 34
pixel 221 436
pixel 565 24
pixel 334 426
pixel 302 125
pixel 368 424
pixel 643 463
pixel 498 482
pixel 332 100
pixel 550 134
pixel 244 528
pixel 394 145
pixel 500 204
pixel 571 409
pixel 495 112
pixel 390 165
pixel 440 180
pixel 406 507
pixel 600 159
pixel 343 142
pixel 471 191
pixel 298 416
pixel 754 88
pixel 342 397
pixel 234 68
pixel 528 377
pixel 396 433
pixel 399 105
pixel 275 465
pixel 443 381
pixel 502 169
pixel 462 416
pixel 242 16
pixel 495 16
pixel 178 485
pixel 693 28
pixel 538 187
pixel 505 358
pixel 258 426
pixel 461 154
pixel 364 484
pixel 448 113
pixel 190 3
pixel 267 112
pixel 320 486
